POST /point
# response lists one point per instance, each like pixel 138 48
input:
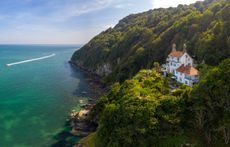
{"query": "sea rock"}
pixel 83 114
pixel 78 121
pixel 74 132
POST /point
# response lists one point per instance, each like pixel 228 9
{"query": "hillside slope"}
pixel 140 39
pixel 144 112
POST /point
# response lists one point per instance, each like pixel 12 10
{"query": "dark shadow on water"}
pixel 65 138
pixel 75 72
pixel 83 89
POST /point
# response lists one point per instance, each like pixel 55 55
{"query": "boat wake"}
pixel 30 60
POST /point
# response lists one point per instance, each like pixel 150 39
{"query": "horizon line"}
pixel 40 44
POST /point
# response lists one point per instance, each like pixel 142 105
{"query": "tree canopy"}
pixel 138 112
pixel 144 111
pixel 138 40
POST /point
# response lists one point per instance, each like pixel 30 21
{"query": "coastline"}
pixel 79 122
pixel 78 125
pixel 97 87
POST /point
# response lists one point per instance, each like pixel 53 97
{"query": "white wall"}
pixel 181 77
pixel 186 59
pixel 173 64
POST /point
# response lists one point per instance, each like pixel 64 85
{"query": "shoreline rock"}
pixel 78 121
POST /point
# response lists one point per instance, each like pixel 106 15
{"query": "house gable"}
pixel 186 59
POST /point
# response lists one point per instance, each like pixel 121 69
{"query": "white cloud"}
pixel 170 3
pixel 76 9
pixel 38 28
pixel 62 10
pixel 123 6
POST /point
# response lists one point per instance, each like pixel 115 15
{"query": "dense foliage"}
pixel 208 105
pixel 140 39
pixel 144 111
pixel 137 113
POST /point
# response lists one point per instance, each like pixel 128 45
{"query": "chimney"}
pixel 174 47
pixel 184 48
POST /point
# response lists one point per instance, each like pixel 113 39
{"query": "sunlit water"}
pixel 35 97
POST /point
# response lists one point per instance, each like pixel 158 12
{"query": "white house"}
pixel 180 64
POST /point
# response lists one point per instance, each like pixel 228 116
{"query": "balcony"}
pixel 192 78
pixel 188 77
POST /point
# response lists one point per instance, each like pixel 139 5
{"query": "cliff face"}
pixel 140 39
pixel 104 69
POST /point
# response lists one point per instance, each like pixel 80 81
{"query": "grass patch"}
pixel 88 141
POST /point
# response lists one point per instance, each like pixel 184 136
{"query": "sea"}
pixel 36 97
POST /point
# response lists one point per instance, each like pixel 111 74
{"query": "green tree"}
pixel 210 103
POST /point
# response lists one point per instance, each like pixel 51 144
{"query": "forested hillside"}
pixel 144 112
pixel 140 39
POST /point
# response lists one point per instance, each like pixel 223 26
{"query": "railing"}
pixel 195 79
pixel 188 78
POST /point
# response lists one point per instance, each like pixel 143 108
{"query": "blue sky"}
pixel 66 21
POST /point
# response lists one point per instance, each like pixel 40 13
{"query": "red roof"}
pixel 188 70
pixel 176 53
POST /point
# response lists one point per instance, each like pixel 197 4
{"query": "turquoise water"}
pixel 35 97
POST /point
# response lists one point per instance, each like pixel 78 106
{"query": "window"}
pixel 186 82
